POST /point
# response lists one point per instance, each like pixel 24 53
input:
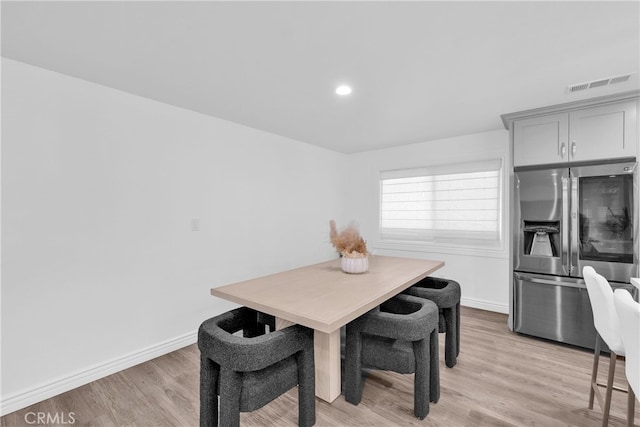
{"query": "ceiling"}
pixel 419 70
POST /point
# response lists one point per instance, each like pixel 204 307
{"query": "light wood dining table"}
pixel 324 298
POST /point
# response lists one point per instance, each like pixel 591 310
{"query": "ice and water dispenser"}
pixel 541 238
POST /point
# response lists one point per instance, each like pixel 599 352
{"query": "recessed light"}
pixel 343 90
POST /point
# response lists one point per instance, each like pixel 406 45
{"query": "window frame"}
pixel 449 243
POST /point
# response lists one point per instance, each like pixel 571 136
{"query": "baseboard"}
pixel 45 391
pixel 484 305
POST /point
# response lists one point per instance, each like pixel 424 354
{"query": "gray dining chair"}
pixel 400 335
pixel 249 371
pixel 445 293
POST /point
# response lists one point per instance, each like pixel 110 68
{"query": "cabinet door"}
pixel 605 132
pixel 540 140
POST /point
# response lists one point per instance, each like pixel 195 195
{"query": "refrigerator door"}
pixel 604 220
pixel 554 308
pixel 541 221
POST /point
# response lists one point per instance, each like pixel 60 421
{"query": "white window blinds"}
pixel 448 203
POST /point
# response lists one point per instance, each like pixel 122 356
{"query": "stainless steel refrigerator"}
pixel 564 219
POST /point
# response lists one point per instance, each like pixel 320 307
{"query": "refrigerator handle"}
pixel 566 283
pixel 565 224
pixel 573 268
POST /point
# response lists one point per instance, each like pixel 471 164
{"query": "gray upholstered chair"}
pixel 249 371
pixel 446 294
pixel 401 335
pixel 267 320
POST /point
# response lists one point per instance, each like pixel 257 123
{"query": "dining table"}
pixel 324 298
pixel 635 281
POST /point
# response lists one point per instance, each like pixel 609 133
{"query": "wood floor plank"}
pixel 502 379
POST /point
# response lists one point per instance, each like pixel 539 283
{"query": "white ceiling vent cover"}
pixel 619 79
pixel 576 88
pixel 598 83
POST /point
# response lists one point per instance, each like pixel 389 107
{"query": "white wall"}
pixel 100 268
pixel 483 274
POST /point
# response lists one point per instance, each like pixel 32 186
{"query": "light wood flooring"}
pixel 501 379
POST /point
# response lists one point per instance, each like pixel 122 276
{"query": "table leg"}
pixel 282 323
pixel 327 361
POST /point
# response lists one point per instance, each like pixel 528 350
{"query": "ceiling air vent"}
pixel 581 86
pixel 619 79
pixel 598 83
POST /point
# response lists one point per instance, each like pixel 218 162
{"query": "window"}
pixel 458 203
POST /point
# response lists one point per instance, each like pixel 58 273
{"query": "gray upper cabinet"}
pixel 608 131
pixel 540 140
pixel 576 132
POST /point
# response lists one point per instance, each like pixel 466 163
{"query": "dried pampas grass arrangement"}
pixel 348 242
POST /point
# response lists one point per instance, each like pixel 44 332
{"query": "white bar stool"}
pixel 607 325
pixel 629 315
